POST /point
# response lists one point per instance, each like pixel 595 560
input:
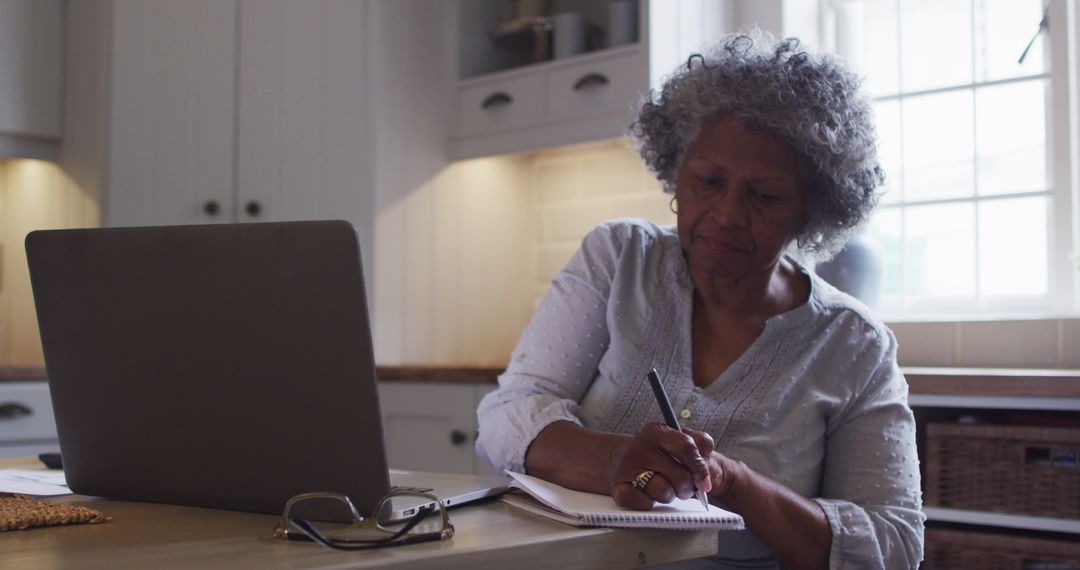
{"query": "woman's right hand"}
pixel 677 458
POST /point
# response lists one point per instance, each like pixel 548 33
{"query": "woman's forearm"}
pixel 573 456
pixel 793 526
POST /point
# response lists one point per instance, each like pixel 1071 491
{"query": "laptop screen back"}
pixel 225 366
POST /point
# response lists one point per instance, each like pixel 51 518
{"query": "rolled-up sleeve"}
pixel 556 358
pixel 871 486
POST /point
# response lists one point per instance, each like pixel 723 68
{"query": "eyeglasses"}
pixel 358 532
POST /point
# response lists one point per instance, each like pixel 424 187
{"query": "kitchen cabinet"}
pixel 512 98
pixel 238 111
pixel 27 427
pixel 31 77
pixel 172 115
pixel 431 425
pixel 996 396
pixel 428 425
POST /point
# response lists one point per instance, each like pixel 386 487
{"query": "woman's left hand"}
pixel 724 473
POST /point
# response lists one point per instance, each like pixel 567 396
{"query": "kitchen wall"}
pixel 462 261
pixel 482 233
pixel 1020 343
pixel 34 194
pixel 451 261
pixel 463 251
pixel 39 195
pixel 573 189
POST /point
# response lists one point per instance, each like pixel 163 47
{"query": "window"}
pixel 973 212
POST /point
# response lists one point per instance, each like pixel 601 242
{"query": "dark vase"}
pixel 857 270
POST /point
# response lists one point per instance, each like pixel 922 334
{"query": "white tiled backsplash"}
pixel 461 261
pixel 572 190
pixel 34 194
pixel 533 211
pixel 1035 343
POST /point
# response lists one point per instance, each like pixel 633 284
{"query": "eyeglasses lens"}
pixel 333 518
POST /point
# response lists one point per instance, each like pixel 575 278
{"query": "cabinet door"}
pixel 27 426
pixel 172 115
pixel 30 70
pixel 301 136
pixel 429 426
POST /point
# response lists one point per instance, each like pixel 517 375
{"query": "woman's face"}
pixel 740 200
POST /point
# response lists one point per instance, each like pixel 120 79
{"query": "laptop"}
pixel 225 366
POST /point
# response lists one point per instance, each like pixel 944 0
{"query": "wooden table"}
pixel 488 535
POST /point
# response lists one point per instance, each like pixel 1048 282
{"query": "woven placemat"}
pixel 19 512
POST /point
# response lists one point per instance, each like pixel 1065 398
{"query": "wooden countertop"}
pixel 466 374
pixel 446 373
pixel 489 534
pixel 993 381
pixel 21 373
pixel 922 380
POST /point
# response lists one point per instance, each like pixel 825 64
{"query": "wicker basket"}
pixel 1009 469
pixel 960 550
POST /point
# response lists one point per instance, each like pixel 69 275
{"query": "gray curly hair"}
pixel 809 101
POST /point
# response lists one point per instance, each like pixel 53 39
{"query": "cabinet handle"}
pixel 457 437
pixel 591 80
pixel 14 411
pixel 211 207
pixel 497 99
pixel 253 208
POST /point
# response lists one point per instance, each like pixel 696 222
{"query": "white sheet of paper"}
pixel 33 482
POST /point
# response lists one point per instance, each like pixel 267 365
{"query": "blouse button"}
pixel 685 414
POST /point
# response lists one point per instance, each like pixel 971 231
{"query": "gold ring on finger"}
pixel 642 479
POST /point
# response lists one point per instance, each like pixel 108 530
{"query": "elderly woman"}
pixel 794 410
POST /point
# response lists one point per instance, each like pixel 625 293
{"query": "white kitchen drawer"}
pixel 26 412
pixel 429 426
pixel 598 86
pixel 503 104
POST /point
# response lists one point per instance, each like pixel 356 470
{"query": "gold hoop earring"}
pixel 671 206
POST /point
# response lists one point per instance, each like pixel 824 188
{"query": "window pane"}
pixel 1013 247
pixel 885 229
pixel 938 148
pixel 887 119
pixel 935 43
pixel 1011 137
pixel 940 251
pixel 1002 29
pixel 882 48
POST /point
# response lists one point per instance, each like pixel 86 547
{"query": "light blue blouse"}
pixel 817 402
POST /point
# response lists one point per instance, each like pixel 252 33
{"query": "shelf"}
pixel 530 35
pixel 994 402
pixel 1025 522
pixel 550 65
pixel 492 37
pixel 1053 383
pixel 994 389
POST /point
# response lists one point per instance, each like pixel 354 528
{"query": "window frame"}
pixel 1064 231
pixel 1062 53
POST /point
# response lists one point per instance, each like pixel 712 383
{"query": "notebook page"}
pixel 603 507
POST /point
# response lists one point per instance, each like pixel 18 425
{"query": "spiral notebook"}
pixel 590 509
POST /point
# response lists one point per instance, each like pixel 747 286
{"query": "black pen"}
pixel 671 420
